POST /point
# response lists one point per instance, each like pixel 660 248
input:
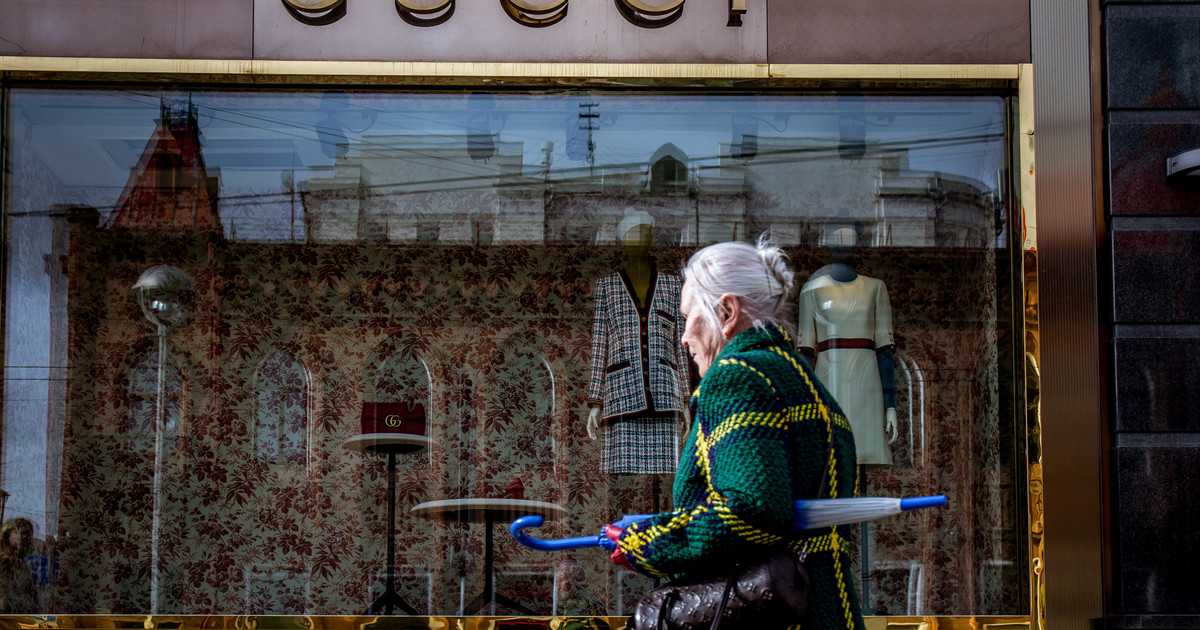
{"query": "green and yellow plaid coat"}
pixel 763 431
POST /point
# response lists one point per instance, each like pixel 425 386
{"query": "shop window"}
pixel 459 295
pixel 281 414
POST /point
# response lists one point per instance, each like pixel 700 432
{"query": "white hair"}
pixel 758 275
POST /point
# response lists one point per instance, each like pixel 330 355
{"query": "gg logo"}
pixel 392 420
pixel 424 13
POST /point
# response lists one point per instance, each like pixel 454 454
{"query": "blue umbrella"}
pixel 810 514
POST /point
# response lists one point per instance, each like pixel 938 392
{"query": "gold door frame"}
pixel 917 78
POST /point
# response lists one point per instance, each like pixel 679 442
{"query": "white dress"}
pixel 844 322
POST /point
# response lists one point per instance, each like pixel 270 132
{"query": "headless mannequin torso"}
pixel 846 315
pixel 638 268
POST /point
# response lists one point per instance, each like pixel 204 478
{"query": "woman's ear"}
pixel 733 312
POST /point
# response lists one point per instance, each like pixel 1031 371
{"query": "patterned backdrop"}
pixel 266 511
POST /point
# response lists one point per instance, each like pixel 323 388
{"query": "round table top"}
pixel 480 510
pixel 388 443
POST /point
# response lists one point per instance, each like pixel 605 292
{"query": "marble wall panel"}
pixel 1157 513
pixel 1155 278
pixel 1152 53
pixel 1157 377
pixel 1139 144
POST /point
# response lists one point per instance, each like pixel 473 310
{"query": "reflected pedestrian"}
pixel 18 592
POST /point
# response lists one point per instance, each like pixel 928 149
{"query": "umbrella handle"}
pixel 525 522
pixel 919 503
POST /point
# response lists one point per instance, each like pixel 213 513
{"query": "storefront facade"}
pixel 400 214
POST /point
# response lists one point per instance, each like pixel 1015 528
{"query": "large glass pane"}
pixel 392 309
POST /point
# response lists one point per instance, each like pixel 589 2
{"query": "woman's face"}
pixel 16 538
pixel 702 342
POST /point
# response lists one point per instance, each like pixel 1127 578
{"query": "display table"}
pixel 390 444
pixel 488 511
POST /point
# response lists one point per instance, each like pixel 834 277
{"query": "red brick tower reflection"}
pixel 170 186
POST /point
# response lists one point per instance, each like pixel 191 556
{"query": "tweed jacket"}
pixel 765 433
pixel 638 361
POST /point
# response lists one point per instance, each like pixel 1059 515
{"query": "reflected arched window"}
pixel 143 396
pixel 404 379
pixel 281 412
pixel 668 170
pixel 517 439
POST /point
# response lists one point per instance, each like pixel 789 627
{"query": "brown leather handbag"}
pixel 763 595
pixel 767 594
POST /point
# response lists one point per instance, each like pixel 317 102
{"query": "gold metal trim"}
pixel 311 622
pixel 1033 361
pixel 486 71
pixel 896 71
pixel 1025 106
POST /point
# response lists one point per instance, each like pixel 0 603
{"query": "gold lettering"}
pixel 316 13
pixel 737 8
pixel 637 12
pixel 649 16
pixel 425 16
pixel 392 420
pixel 533 15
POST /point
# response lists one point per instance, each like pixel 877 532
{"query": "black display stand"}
pixel 390 444
pixel 488 511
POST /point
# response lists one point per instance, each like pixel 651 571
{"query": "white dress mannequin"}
pixel 845 322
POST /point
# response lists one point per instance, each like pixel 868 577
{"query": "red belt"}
pixel 852 344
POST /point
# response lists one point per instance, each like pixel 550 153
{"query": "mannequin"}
pixel 845 330
pixel 638 384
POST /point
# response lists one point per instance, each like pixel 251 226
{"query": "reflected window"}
pixel 668 170
pixel 281 415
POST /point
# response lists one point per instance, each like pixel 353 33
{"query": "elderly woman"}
pixel 765 433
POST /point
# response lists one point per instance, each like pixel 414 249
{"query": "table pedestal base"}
pixel 386 602
pixel 489 593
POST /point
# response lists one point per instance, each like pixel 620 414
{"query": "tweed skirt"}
pixel 642 444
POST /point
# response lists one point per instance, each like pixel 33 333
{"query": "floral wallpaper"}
pixel 265 510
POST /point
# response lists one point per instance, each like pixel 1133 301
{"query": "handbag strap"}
pixel 716 624
pixel 668 599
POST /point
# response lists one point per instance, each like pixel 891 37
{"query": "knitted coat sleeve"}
pixel 743 495
pixel 595 392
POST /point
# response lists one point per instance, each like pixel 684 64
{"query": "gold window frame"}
pixel 915 78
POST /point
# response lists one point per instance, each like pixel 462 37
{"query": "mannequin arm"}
pixel 887 378
pixel 593 421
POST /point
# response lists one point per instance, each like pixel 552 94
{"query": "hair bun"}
pixel 776 262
